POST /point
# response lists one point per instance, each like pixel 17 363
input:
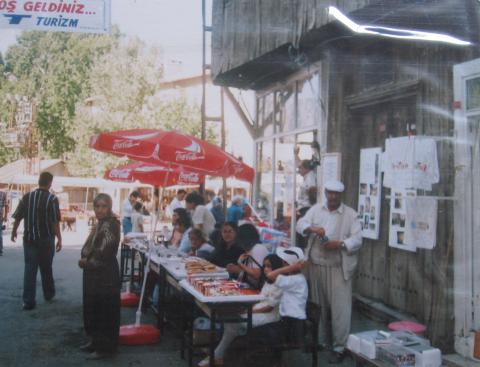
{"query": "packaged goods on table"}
pixel 212 287
pixel 396 355
pixel 197 267
pixel 373 342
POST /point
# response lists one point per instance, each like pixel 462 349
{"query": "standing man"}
pixel 307 194
pixel 3 216
pixel 202 218
pixel 127 211
pixel 178 201
pixel 332 251
pixel 41 214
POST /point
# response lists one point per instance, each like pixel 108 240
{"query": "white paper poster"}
pixel 398 220
pixel 411 162
pixel 331 166
pixel 421 222
pixel 369 198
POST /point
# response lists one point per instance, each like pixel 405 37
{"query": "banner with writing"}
pixel 83 16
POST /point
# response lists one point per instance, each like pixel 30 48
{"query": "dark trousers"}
pixel 262 344
pixel 101 307
pixel 301 240
pixel 286 331
pixel 38 254
pixel 1 235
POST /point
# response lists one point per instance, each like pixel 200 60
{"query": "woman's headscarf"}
pixel 107 199
pixel 109 220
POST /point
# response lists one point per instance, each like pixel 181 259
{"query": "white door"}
pixel 467 204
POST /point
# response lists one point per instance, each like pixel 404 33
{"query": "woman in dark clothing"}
pixel 227 250
pixel 101 282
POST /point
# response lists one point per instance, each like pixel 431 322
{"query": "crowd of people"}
pixel 321 271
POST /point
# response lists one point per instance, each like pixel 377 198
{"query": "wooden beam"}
pixel 247 122
pixel 184 82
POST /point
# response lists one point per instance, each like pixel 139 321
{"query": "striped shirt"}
pixel 3 200
pixel 40 211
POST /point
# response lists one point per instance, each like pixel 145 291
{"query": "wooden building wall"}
pixel 246 29
pixel 375 90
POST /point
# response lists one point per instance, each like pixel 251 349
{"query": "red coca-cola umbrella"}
pixel 172 148
pixel 155 174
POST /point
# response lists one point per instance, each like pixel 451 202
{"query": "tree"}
pixel 124 87
pixel 54 68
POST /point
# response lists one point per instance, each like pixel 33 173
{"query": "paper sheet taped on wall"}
pixel 421 213
pixel 399 220
pixel 411 162
pixel 370 192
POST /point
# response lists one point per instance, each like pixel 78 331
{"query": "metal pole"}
pixel 223 145
pixel 204 76
pixel 204 81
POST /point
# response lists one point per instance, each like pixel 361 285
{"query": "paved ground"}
pixel 50 334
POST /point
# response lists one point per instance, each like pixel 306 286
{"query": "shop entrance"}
pixel 467 204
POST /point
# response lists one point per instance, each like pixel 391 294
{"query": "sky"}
pixel 175 26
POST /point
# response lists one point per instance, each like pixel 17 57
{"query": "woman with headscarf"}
pixel 101 282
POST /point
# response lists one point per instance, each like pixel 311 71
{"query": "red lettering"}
pixel 37 7
pixel 66 8
pixel 11 6
pixel 28 6
pixel 52 7
pixel 3 4
pixel 79 9
pixel 44 7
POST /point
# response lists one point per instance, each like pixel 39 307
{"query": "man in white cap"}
pixel 332 252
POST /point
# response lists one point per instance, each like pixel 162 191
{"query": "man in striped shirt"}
pixel 3 216
pixel 40 212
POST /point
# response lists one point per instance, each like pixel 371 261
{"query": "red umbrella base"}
pixel 139 335
pixel 129 299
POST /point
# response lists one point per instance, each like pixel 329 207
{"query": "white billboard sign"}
pixel 85 16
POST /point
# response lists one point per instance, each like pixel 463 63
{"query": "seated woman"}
pixel 263 312
pixel 249 265
pixel 200 246
pixel 176 236
pixel 227 250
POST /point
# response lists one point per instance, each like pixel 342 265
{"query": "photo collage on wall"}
pixel 370 191
pixel 398 219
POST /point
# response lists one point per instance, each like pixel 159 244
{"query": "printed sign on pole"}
pixel 82 16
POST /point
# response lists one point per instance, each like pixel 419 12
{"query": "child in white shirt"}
pixel 293 303
pixel 264 312
pixel 200 246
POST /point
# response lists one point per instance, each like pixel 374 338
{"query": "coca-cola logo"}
pixel 190 177
pixel 187 156
pixel 124 144
pixel 119 173
pixel 237 169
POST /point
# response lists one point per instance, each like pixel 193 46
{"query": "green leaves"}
pixel 53 69
pixel 83 84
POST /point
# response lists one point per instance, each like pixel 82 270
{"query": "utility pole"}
pixel 207 31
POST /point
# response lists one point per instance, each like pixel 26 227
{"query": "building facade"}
pixel 365 74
